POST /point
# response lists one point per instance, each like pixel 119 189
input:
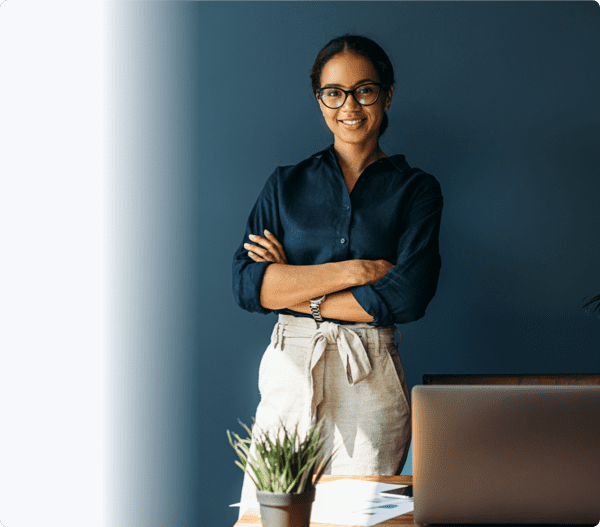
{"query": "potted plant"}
pixel 285 469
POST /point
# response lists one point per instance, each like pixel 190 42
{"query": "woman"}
pixel 342 246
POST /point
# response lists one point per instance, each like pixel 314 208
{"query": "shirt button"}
pixel 347 207
pixel 343 240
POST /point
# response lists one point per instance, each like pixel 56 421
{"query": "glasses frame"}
pixel 383 87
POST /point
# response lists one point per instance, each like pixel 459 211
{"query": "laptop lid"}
pixel 506 454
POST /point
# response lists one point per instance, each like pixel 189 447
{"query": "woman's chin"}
pixel 353 137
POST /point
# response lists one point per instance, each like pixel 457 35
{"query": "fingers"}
pixel 256 258
pixel 387 265
pixel 267 245
pixel 269 249
pixel 265 255
pixel 374 270
pixel 259 254
pixel 275 242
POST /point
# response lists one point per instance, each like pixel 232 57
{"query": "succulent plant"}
pixel 283 461
pixel 594 300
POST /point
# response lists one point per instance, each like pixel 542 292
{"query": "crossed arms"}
pixel 292 286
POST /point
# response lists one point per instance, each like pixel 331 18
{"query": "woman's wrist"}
pixel 337 306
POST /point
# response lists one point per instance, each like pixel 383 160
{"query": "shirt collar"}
pixel 396 161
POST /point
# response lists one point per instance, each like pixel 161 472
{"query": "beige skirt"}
pixel 347 377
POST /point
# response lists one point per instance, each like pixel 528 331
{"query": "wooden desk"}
pixel 251 518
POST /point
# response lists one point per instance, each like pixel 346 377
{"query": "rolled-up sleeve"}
pixel 247 275
pixel 405 291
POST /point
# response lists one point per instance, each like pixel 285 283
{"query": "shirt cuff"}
pixel 373 304
pixel 250 285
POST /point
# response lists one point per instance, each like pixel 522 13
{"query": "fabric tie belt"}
pixel 351 349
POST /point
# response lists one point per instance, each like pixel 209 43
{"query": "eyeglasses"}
pixel 365 95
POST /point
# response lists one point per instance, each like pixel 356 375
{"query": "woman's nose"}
pixel 350 102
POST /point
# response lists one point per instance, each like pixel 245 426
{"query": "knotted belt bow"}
pixel 352 353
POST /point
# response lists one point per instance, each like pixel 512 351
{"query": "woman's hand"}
pixel 268 249
pixel 368 271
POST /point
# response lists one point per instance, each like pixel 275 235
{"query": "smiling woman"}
pixel 342 246
pixel 355 121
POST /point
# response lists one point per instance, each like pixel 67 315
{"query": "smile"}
pixel 354 122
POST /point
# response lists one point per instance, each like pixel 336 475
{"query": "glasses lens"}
pixel 366 94
pixel 332 97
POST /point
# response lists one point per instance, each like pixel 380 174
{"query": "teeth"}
pixel 352 122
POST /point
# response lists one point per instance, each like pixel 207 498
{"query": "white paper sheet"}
pixel 353 502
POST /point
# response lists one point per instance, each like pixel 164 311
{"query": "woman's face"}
pixel 347 70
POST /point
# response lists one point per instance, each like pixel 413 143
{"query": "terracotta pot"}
pixel 278 509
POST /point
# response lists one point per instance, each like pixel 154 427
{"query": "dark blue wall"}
pixel 499 100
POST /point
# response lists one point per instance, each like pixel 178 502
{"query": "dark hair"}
pixel 363 46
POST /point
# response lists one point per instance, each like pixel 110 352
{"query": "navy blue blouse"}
pixel 393 213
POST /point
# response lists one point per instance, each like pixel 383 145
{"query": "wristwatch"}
pixel 314 308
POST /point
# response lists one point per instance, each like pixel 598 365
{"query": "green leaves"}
pixel 595 299
pixel 282 461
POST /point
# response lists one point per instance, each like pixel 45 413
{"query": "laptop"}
pixel 506 454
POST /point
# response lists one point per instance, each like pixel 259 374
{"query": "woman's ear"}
pixel 388 98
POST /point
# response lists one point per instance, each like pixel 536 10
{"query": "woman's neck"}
pixel 354 158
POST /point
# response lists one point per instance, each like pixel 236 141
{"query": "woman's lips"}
pixel 352 122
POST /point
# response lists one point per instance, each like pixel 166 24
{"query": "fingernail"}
pixel 267 232
pixel 247 245
pixel 251 236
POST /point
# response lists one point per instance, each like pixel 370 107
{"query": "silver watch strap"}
pixel 315 308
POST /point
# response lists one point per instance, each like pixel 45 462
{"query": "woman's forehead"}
pixel 348 69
